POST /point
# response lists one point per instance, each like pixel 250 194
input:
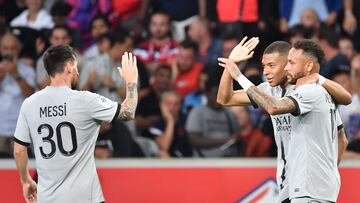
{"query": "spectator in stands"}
pixel 350 114
pixel 197 97
pixel 209 47
pixel 351 23
pixel 17 81
pixel 99 26
pixel 353 127
pixel 213 130
pixel 100 75
pixel 169 132
pixel 334 61
pixel 60 35
pixel 257 144
pixel 148 110
pixel 299 32
pixel 82 14
pixel 34 17
pixel 129 15
pixel 290 11
pixel 346 47
pixel 186 70
pixel 182 13
pixel 10 9
pixel 60 12
pixel 160 48
pixel 310 19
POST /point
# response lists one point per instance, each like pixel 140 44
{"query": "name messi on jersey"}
pixel 53 111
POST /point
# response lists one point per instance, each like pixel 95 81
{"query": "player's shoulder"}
pixel 312 87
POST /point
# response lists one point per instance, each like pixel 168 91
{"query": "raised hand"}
pixel 128 70
pixel 231 67
pixel 166 113
pixel 244 51
pixel 312 78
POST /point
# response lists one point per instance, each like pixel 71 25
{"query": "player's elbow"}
pixel 19 150
pixel 220 100
pixel 348 99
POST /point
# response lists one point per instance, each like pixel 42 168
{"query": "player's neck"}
pixel 59 81
pixel 284 85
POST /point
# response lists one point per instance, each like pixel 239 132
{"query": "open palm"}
pixel 244 51
pixel 128 70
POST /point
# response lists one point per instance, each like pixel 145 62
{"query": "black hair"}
pixel 188 44
pixel 330 36
pixel 163 67
pixel 280 47
pixel 103 18
pixel 299 29
pixel 161 12
pixel 311 48
pixel 56 57
pixel 118 37
pixel 104 36
pixel 60 8
pixel 61 27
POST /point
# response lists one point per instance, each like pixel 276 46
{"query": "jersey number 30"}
pixel 49 139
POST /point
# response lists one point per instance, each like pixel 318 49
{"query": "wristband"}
pixel 244 82
pixel 321 80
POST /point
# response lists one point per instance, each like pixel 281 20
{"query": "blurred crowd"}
pixel 177 43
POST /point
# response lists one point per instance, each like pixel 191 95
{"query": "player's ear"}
pixel 68 67
pixel 309 66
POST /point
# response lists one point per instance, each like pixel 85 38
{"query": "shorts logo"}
pixel 297 190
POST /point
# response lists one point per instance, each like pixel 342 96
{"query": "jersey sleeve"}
pixel 101 108
pixel 305 99
pixel 22 131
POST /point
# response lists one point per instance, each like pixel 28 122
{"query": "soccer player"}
pixel 63 124
pixel 274 61
pixel 313 147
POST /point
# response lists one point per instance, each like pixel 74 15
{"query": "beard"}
pixel 293 79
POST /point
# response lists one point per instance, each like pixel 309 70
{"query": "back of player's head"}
pixel 311 49
pixel 56 57
pixel 280 47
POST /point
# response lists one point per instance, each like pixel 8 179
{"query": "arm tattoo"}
pixel 128 107
pixel 270 104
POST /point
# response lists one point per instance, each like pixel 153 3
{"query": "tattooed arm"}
pixel 226 95
pixel 129 73
pixel 128 107
pixel 270 104
pixel 337 91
